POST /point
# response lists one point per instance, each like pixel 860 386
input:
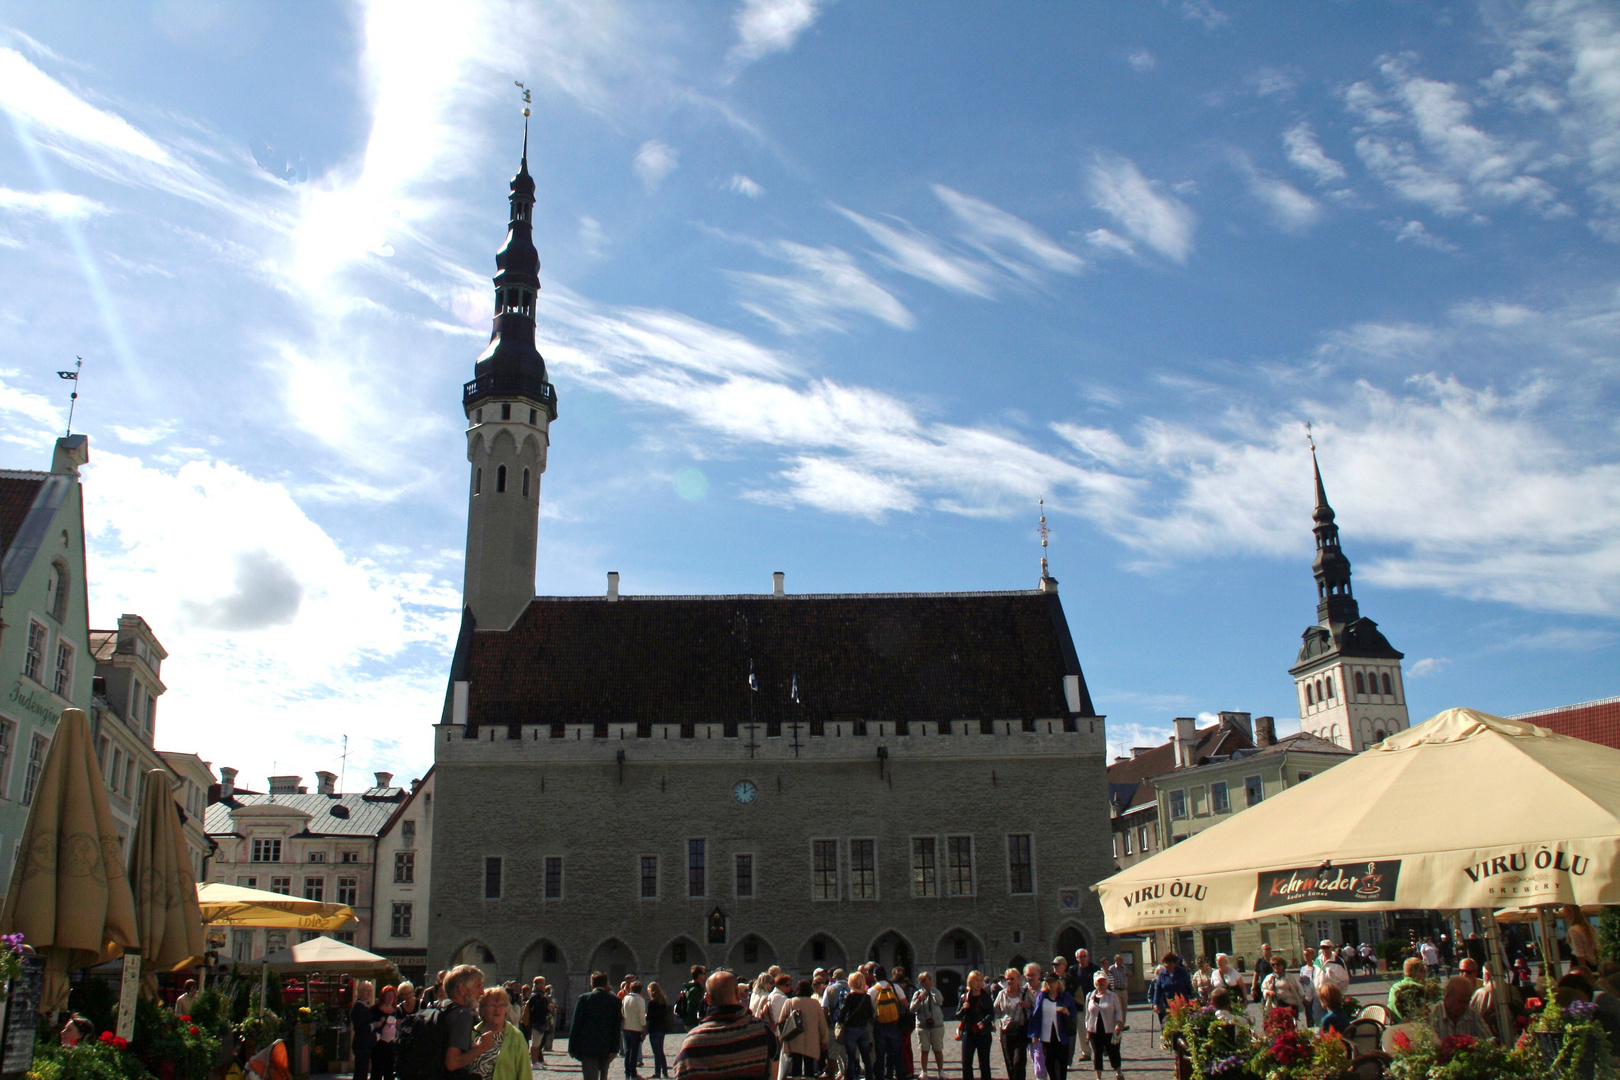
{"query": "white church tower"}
pixel 1348 677
pixel 510 406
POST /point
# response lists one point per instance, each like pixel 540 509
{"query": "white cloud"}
pixel 1291 210
pixel 1415 232
pixel 920 255
pixel 654 161
pixel 1452 166
pixel 592 240
pixel 744 185
pixel 1305 152
pixel 1111 242
pixel 1011 242
pixel 1429 665
pixel 1204 13
pixel 842 487
pixel 826 287
pixel 260 607
pixel 1275 82
pixel 767 26
pixel 1142 60
pixel 1142 207
pixel 57 205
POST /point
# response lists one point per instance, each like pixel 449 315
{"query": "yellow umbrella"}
pixel 232 905
pixel 1467 810
pixel 166 909
pixel 69 895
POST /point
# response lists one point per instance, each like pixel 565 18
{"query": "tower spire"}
pixel 1335 603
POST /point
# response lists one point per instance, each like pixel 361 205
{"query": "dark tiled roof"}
pixel 1594 721
pixel 1214 741
pixel 17 492
pixel 366 815
pixel 924 656
pixel 1302 740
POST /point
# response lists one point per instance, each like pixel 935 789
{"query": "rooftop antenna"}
pixel 73 377
pixel 343 764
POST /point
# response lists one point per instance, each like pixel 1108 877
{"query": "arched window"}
pixel 1387 690
pixel 525 483
pixel 534 415
pixel 1309 698
pixel 1378 735
pixel 1330 685
pixel 478 481
pixel 1361 684
pixel 500 479
pixel 1319 697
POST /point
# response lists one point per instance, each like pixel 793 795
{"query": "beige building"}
pixel 124 716
pixel 320 845
pixel 195 777
pixel 404 854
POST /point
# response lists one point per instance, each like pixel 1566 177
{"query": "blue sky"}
pixel 839 289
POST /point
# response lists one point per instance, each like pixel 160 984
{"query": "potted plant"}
pixel 1420 1056
pixel 1572 1041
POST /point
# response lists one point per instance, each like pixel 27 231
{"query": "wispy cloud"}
pixel 916 253
pixel 57 205
pixel 1290 209
pixel 768 26
pixel 1008 240
pixel 1415 232
pixel 1204 13
pixel 1143 207
pixel 745 186
pixel 1141 60
pixel 1428 665
pixel 654 161
pixel 1306 153
pixel 826 287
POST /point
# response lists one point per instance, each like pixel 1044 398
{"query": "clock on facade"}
pixel 744 792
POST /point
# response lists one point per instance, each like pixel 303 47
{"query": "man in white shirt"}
pixel 1430 953
pixel 1307 984
pixel 1331 970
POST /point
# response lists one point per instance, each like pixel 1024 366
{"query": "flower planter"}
pixel 1551 1043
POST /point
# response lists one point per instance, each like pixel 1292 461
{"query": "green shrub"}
pixel 92 1060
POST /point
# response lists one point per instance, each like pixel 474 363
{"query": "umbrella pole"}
pixel 1499 979
pixel 1549 948
pixel 264 986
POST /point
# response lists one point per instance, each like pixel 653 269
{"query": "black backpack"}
pixel 424 1036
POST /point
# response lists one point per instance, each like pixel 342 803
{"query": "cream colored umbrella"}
pixel 69 895
pixel 326 954
pixel 166 910
pixel 233 905
pixel 1466 810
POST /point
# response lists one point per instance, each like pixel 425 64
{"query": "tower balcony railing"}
pixel 533 387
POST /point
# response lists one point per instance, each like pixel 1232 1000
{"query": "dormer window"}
pixel 506 410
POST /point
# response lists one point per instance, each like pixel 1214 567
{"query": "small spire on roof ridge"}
pixel 1048 582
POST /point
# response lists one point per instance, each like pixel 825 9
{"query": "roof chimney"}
pixel 1138 751
pixel 326 783
pixel 1186 740
pixel 1265 731
pixel 1239 721
pixel 284 785
pixel 227 782
pixel 778 588
pixel 613 585
pixel 384 779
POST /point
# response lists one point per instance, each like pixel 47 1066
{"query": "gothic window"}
pixel 1330 686
pixel 1319 696
pixel 525 483
pixel 58 596
pixel 1361 684
pixel 478 481
pixel 1387 690
pixel 534 415
pixel 500 479
pixel 1310 698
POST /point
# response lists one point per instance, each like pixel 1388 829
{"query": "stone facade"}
pixel 532 798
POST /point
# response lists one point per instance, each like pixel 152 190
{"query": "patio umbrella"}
pixel 233 905
pixel 1466 810
pixel 166 911
pixel 69 895
pixel 326 954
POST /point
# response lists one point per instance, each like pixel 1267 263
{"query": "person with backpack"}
pixel 689 1004
pixel 437 1039
pixel 887 1039
pixel 539 1010
pixel 832 1002
pixel 596 1035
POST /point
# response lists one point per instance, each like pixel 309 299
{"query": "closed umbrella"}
pixel 1466 810
pixel 69 895
pixel 166 910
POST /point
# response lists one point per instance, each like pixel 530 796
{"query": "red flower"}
pixel 1403 1042
pixel 107 1037
pixel 119 1042
pixel 186 1019
pixel 1452 1045
pixel 192 1029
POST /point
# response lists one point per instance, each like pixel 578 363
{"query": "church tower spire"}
pixel 510 405
pixel 1348 676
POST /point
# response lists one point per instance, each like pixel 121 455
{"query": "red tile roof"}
pixel 17 492
pixel 1594 721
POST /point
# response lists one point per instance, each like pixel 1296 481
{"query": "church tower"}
pixel 510 405
pixel 1347 676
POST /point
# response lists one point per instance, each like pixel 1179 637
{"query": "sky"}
pixel 836 288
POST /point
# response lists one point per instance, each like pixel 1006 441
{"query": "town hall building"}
pixel 637 784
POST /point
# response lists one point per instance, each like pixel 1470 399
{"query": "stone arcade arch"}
pixel 957 952
pixel 545 957
pixel 891 948
pixel 675 964
pixel 478 954
pixel 832 955
pixel 1068 939
pixel 614 958
pixel 751 945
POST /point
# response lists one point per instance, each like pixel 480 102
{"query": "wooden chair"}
pixel 1368 1067
pixel 1366 1035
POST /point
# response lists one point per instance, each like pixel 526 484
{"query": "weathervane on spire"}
pixel 73 398
pixel 1045 533
pixel 528 99
pixel 1309 437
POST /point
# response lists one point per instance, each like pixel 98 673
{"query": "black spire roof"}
pixel 510 365
pixel 1339 628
